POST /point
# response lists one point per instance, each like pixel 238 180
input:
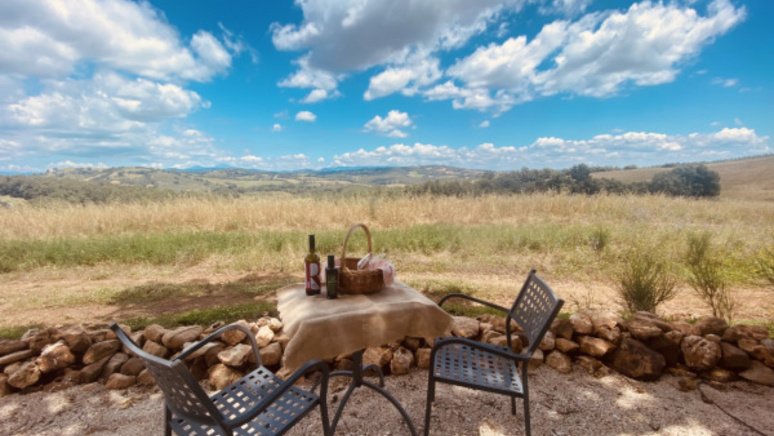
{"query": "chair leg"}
pixel 526 414
pixel 429 404
pixel 513 405
pixel 167 417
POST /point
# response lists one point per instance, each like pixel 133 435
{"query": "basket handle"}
pixel 352 228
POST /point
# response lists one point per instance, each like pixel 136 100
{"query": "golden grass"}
pixel 751 217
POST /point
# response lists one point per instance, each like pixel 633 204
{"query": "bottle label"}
pixel 313 276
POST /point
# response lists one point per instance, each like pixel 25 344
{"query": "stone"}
pixel 680 370
pixel 282 339
pixel 562 328
pixel 517 343
pixel 643 329
pixel 236 355
pixel 275 325
pixel 8 370
pixel 154 332
pixel 203 350
pixel 345 364
pixel 145 378
pixel 379 356
pixel 566 346
pixel 55 356
pixel 264 336
pixel 5 388
pixel 683 327
pixel 653 319
pixel 412 343
pixel 114 364
pixel 138 338
pixel 581 323
pixel 26 375
pixel 590 364
pixel 76 338
pixel 604 319
pixel 16 356
pixel 733 358
pixel 714 338
pixel 559 361
pixel 11 346
pixel 465 327
pixel 741 331
pixel 548 342
pixel 401 362
pixel 133 366
pixel 675 336
pixel 100 335
pixel 497 323
pixel 710 325
pixel 211 355
pixel 500 341
pixel 535 360
pixel 595 347
pixel 699 353
pixel 758 373
pixel 71 376
pixel 720 375
pixel 101 350
pixel 120 381
pixel 633 359
pixel 233 337
pixel 491 336
pixel 175 339
pixel 271 354
pixel 663 345
pixel 91 372
pixel 221 376
pixel 423 358
pixel 36 339
pixel 761 353
pixel 610 334
pixel 686 384
pixel 155 348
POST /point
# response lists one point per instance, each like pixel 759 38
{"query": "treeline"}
pixel 41 188
pixel 686 180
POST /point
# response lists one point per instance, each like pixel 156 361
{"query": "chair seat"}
pixel 466 366
pixel 238 397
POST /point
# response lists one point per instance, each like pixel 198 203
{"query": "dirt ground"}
pixel 574 404
pixel 62 296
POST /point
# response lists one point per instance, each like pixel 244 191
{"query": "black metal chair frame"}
pixel 258 395
pixel 535 308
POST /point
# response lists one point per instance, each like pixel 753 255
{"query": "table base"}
pixel 357 381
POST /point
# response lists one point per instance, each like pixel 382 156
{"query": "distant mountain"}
pixel 242 181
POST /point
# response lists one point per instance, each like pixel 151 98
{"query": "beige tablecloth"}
pixel 322 328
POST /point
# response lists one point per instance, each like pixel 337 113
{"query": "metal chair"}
pixel 472 364
pixel 259 403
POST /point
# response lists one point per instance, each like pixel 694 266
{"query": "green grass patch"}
pixel 226 313
pixel 16 332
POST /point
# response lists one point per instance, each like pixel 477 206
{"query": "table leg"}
pixel 357 381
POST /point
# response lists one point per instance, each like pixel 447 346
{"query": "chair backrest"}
pixel 535 308
pixel 183 395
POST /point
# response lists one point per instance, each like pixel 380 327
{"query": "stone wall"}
pixel 642 347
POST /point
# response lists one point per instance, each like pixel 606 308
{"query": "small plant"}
pixel 766 264
pixel 645 280
pixel 599 239
pixel 707 275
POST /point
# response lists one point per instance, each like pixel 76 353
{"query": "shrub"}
pixel 599 239
pixel 645 280
pixel 689 181
pixel 766 264
pixel 707 275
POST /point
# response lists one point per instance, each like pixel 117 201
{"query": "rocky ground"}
pixel 562 404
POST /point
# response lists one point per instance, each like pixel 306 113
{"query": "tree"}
pixel 689 180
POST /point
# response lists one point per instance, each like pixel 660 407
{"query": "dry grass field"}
pixel 196 260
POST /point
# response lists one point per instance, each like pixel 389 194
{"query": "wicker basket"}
pixel 352 280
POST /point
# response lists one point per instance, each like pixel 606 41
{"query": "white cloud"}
pixel 726 83
pixel 484 124
pixel 306 116
pixel 277 127
pixel 48 39
pixel 317 95
pixel 597 55
pixel 390 125
pixel 344 36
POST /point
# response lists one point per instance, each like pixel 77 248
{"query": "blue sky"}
pixel 321 83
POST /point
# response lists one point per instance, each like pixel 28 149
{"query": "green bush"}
pixel 766 265
pixel 645 279
pixel 688 181
pixel 708 275
pixel 599 239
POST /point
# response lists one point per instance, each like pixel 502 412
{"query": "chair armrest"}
pixel 259 407
pixel 468 297
pixel 503 352
pixel 216 334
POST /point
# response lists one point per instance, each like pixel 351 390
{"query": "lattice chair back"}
pixel 535 308
pixel 183 395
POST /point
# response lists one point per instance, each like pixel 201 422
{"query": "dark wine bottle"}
pixel 312 267
pixel 331 278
